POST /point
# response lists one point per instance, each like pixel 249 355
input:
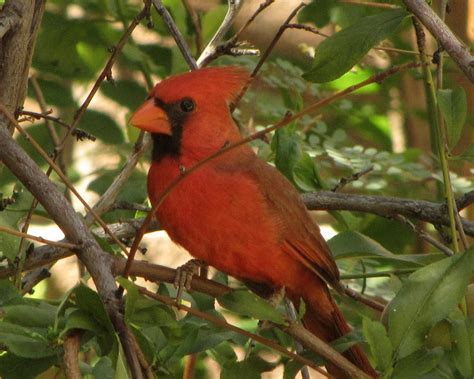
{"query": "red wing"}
pixel 300 235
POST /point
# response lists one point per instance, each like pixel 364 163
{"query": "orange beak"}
pixel 151 118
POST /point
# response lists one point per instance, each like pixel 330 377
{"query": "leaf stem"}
pixel 438 134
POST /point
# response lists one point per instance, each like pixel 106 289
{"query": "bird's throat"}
pixel 166 145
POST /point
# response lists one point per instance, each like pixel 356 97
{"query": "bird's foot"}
pixel 184 276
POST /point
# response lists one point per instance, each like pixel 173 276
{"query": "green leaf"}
pixel 351 244
pixel 131 298
pixel 30 316
pixel 249 304
pixel 305 174
pixel 10 218
pixel 128 93
pixel 417 364
pixel 287 146
pixel 103 369
pixel 463 349
pixel 8 292
pixel 341 51
pixel 13 367
pixel 250 368
pixel 24 342
pixel 78 319
pixel 199 337
pixel 453 105
pixel 428 296
pixel 379 343
pixel 65 46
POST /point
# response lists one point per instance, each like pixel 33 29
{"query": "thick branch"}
pixel 434 213
pixel 16 49
pixel 446 38
pixel 384 206
pixel 97 262
pixel 9 19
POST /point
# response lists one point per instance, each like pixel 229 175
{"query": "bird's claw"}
pixel 184 276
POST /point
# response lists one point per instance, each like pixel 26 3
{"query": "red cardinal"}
pixel 236 212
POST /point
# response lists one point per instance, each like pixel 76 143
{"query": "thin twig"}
pixel 264 5
pixel 32 278
pixel 354 177
pixel 106 72
pixel 370 4
pixel 78 133
pixel 378 274
pixel 178 37
pixel 233 9
pixel 423 235
pixel 275 39
pixel 314 30
pixel 107 200
pixel 442 124
pixel 363 299
pixel 62 245
pixel 267 52
pixel 291 312
pixel 233 47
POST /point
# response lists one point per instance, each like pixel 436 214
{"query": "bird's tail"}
pixel 324 319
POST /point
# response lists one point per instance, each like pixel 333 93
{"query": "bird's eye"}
pixel 187 105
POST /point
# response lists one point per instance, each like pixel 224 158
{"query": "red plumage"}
pixel 236 212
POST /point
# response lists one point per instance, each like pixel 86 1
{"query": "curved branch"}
pixel 446 38
pixel 210 50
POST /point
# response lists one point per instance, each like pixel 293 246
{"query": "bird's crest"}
pixel 204 84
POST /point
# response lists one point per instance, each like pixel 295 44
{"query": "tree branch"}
pixel 97 262
pixel 210 49
pixel 385 206
pixel 10 18
pixel 443 34
pixel 178 37
pixel 16 49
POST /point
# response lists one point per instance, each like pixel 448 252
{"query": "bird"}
pixel 236 212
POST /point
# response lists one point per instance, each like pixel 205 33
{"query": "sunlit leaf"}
pixel 341 51
pixel 379 343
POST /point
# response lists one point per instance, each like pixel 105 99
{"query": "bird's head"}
pixel 189 113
